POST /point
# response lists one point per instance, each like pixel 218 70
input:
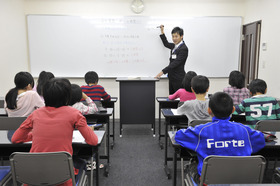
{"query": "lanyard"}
pixel 178 47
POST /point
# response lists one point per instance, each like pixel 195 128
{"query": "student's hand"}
pixel 162 29
pixel 159 75
pixel 84 96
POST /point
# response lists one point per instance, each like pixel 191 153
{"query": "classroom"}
pixel 15 52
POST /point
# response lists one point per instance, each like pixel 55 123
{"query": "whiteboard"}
pixel 69 46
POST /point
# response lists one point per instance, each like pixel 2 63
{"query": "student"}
pixel 76 103
pixel 92 89
pixel 50 128
pixel 185 93
pixel 237 89
pixel 42 79
pixel 178 56
pixel 259 106
pixel 21 101
pixel 219 137
pixel 197 109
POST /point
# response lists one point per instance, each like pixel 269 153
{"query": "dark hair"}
pixel 200 84
pixel 236 79
pixel 21 80
pixel 57 92
pixel 43 78
pixel 187 80
pixel 178 30
pixel 91 77
pixel 257 85
pixel 221 105
pixel 76 94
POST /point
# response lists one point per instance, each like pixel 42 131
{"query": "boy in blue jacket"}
pixel 219 137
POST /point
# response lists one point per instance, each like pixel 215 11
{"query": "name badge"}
pixel 174 56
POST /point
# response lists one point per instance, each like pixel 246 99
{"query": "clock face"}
pixel 137 6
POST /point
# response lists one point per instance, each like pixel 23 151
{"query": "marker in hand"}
pixel 160 26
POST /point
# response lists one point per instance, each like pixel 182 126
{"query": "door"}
pixel 250 51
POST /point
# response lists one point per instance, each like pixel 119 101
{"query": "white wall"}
pixel 13 45
pixel 15 57
pixel 269 67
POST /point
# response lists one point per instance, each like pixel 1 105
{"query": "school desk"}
pixel 164 102
pixel 104 117
pixel 137 101
pixel 78 143
pixel 111 104
pixel 3 112
pixel 170 119
pixel 270 149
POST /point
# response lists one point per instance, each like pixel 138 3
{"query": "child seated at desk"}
pixel 259 106
pixel 50 128
pixel 42 79
pixel 219 137
pixel 185 93
pixel 197 109
pixel 76 103
pixel 237 90
pixel 21 101
pixel 92 89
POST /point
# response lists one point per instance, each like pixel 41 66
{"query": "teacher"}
pixel 178 56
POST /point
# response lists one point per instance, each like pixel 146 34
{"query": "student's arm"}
pixel 38 102
pixel 181 57
pixel 257 139
pixel 187 138
pixel 183 108
pixel 239 108
pixel 85 130
pixel 23 133
pixel 105 95
pixel 90 108
pixel 277 109
pixel 174 96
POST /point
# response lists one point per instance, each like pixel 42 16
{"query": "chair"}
pixel 48 168
pixel 11 123
pixel 268 125
pixel 231 170
pixel 198 122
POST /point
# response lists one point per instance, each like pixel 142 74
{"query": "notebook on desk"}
pixel 102 109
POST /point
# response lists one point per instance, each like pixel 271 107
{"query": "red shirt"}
pixel 51 129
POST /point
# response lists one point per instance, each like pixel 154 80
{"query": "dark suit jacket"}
pixel 176 67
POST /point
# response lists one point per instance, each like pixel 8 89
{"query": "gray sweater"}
pixel 195 109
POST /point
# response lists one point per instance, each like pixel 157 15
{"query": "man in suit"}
pixel 178 56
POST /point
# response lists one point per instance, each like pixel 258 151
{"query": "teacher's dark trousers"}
pixel 174 86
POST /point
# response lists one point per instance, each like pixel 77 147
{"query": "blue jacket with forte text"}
pixel 220 137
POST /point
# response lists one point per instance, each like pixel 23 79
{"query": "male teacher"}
pixel 178 56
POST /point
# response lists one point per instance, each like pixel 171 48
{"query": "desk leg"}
pixel 113 127
pixel 167 171
pixel 106 168
pixel 159 128
pixel 97 169
pixel 174 167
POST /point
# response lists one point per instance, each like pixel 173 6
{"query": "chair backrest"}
pixel 198 122
pixel 48 168
pixel 11 123
pixel 268 125
pixel 232 169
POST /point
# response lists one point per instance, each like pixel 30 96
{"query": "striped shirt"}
pixel 237 94
pixel 260 107
pixel 95 92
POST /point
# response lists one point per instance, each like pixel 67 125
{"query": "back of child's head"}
pixel 257 86
pixel 76 94
pixel 187 80
pixel 42 79
pixel 91 77
pixel 236 79
pixel 221 105
pixel 21 80
pixel 200 84
pixel 57 92
pixel 177 30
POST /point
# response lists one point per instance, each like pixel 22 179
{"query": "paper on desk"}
pixel 174 111
pixel 77 136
